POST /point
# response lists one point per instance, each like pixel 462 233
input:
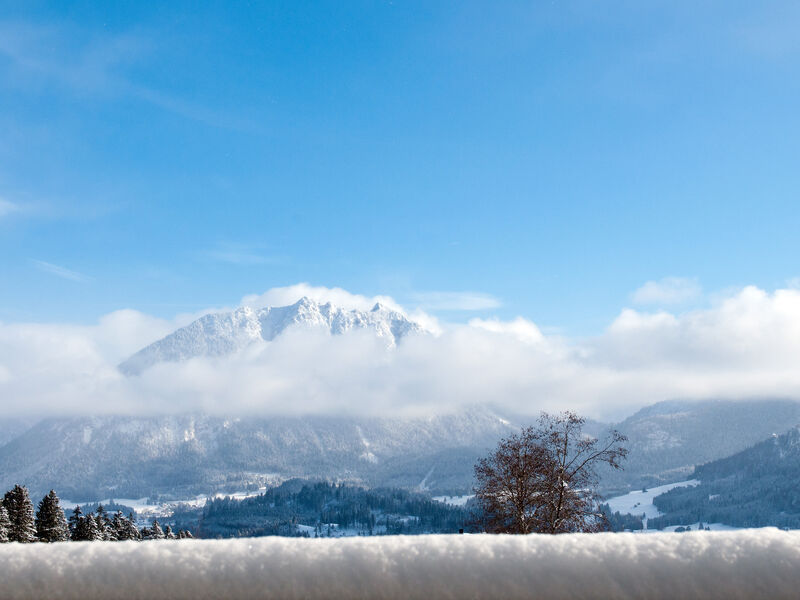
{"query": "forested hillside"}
pixel 757 487
pixel 666 440
pixel 321 509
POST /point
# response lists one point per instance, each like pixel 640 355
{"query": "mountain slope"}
pixel 219 334
pixel 667 439
pixel 179 456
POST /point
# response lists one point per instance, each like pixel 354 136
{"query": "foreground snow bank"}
pixel 756 563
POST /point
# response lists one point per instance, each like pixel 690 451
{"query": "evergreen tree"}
pixel 51 525
pixel 5 524
pixel 20 514
pixel 131 531
pixel 76 526
pixel 156 533
pixel 104 528
pixel 168 533
pixel 118 526
pixel 91 532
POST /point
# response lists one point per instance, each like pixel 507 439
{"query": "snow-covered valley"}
pixel 640 502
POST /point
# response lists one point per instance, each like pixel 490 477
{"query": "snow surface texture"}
pixel 756 563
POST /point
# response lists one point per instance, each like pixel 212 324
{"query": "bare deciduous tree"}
pixel 544 478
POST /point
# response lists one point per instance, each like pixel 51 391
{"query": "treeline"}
pixel 768 501
pixel 19 523
pixel 321 509
pixel 616 521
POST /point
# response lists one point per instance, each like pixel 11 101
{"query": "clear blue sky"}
pixel 554 155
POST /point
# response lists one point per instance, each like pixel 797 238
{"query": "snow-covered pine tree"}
pixel 131 531
pixel 20 514
pixel 118 526
pixel 76 526
pixel 92 532
pixel 5 524
pixel 156 533
pixel 103 523
pixel 168 533
pixel 51 525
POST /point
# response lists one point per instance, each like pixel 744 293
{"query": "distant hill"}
pixel 174 457
pixel 757 487
pixel 667 439
pixel 322 509
pixel 180 456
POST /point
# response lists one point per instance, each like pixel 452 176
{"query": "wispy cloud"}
pixel 465 301
pixel 61 272
pixel 6 208
pixel 89 64
pixel 240 254
pixel 669 290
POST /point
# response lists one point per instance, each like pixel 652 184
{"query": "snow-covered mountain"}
pixel 89 458
pixel 218 334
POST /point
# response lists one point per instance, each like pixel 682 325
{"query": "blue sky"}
pixel 552 157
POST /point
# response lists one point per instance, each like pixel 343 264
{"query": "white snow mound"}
pixel 755 563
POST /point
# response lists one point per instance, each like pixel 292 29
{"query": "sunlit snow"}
pixel 755 563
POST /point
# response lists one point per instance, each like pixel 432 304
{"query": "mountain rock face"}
pixel 218 334
pixel 182 456
pixel 666 440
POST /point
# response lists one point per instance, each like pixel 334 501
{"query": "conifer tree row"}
pixel 51 526
pixel 19 524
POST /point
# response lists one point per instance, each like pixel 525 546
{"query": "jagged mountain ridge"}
pixel 218 334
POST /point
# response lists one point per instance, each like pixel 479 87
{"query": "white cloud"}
pixel 669 290
pixel 745 345
pixel 6 208
pixel 61 272
pixel 520 328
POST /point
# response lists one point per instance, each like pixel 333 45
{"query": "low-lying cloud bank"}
pixel 746 345
pixel 756 563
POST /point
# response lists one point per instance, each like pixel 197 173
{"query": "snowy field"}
pixel 454 500
pixel 639 502
pixel 754 563
pixel 145 510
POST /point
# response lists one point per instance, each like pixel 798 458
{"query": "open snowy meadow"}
pixel 756 563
